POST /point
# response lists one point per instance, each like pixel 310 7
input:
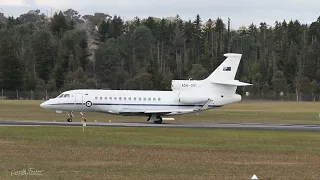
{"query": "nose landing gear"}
pixel 84 118
pixel 71 116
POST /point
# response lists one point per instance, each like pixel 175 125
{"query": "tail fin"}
pixel 226 72
pixel 227 69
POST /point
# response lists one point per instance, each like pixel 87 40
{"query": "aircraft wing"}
pixel 162 111
pixel 131 111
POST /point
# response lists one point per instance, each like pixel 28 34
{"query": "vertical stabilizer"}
pixel 227 69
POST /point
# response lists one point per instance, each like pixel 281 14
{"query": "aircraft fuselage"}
pixel 115 101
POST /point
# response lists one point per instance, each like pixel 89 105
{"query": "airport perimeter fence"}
pixel 27 95
pixel 45 95
pixel 281 96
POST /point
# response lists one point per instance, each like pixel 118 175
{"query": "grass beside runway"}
pixel 157 153
pixel 244 112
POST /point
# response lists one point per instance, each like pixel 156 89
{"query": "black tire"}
pixel 69 120
pixel 158 121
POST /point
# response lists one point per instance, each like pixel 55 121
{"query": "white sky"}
pixel 241 12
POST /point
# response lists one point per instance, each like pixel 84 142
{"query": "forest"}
pixel 68 50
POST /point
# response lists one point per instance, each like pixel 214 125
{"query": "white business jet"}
pixel 187 96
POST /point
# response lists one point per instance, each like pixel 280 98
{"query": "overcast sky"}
pixel 241 12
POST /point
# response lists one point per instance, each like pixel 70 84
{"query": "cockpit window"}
pixel 64 96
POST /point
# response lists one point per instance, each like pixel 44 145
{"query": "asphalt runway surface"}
pixel 273 127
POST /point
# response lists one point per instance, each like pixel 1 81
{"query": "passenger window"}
pixel 139 99
pixel 115 98
pixel 100 98
pixel 120 98
pixel 105 98
pixel 144 99
pixel 159 99
pixel 96 98
pixel 149 99
pixel 110 98
pixel 129 98
pixel 154 99
pixel 134 98
pixel 124 98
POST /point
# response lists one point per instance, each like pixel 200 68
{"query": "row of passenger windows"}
pixel 116 98
pixel 129 98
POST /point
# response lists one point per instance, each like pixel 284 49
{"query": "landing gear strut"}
pixel 155 118
pixel 84 118
pixel 70 117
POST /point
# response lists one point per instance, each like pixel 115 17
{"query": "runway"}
pixel 274 127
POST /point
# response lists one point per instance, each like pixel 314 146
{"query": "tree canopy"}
pixel 70 51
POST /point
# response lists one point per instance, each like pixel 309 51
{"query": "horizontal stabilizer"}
pixel 232 83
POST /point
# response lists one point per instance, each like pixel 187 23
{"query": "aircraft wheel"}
pixel 158 121
pixel 69 120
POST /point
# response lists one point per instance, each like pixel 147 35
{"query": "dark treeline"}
pixel 70 51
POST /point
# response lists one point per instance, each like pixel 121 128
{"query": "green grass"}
pixel 158 153
pixel 244 112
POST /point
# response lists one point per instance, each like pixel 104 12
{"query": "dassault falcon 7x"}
pixel 186 96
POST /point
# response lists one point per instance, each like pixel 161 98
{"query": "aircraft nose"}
pixel 44 104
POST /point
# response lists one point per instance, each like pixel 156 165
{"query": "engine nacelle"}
pixel 184 84
pixel 189 98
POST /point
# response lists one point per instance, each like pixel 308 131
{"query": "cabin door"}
pixel 78 104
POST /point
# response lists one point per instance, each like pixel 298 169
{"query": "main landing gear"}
pixel 71 116
pixel 155 118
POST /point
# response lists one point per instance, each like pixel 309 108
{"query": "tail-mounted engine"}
pixel 188 98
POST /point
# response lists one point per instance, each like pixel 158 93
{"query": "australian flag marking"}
pixel 226 68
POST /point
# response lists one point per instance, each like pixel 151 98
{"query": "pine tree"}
pixel 11 68
pixel 59 24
